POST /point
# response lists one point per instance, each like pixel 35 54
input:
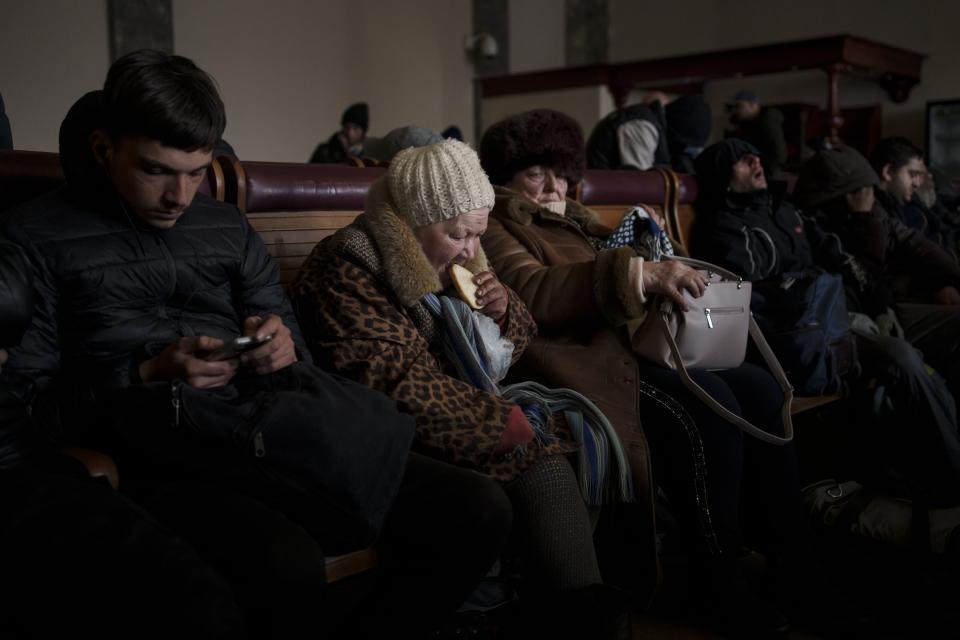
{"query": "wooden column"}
pixel 139 24
pixel 834 119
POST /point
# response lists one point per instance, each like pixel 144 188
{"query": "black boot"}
pixel 811 599
pixel 727 603
pixel 597 612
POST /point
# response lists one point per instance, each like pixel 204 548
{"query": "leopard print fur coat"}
pixel 357 298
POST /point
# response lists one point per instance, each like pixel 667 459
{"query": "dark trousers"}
pixel 935 330
pixel 924 416
pixel 714 476
pixel 78 560
pixel 444 531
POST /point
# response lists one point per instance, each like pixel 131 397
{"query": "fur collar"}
pixel 405 267
pixel 513 206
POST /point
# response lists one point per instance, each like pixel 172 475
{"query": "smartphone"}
pixel 235 347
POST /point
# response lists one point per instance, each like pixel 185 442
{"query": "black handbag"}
pixel 328 452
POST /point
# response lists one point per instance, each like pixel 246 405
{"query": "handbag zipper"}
pixel 719 311
pixel 175 401
pixel 258 450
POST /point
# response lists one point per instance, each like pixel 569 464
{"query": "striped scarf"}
pixel 603 468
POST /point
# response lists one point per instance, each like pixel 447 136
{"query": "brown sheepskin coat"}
pixel 580 299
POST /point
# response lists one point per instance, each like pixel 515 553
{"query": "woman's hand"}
pixel 672 278
pixel 491 295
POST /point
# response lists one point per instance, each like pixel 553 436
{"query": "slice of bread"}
pixel 463 281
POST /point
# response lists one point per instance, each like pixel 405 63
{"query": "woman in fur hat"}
pixel 375 304
pixel 549 249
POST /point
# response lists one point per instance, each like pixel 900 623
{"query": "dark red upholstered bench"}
pixel 293 206
pixel 25 175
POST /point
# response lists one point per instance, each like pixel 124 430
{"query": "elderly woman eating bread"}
pixel 376 304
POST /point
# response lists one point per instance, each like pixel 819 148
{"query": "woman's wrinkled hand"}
pixel 491 295
pixel 672 278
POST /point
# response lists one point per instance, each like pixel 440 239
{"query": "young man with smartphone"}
pixel 139 279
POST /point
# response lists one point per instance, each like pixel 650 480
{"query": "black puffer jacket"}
pixel 16 302
pixel 113 291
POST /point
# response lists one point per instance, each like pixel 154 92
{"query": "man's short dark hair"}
pixel 895 152
pixel 165 97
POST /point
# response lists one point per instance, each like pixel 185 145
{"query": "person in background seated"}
pixel 368 302
pixel 907 192
pixel 631 138
pixel 899 165
pixel 453 131
pixel 726 490
pixel 383 149
pixel 348 141
pixel 938 222
pixel 688 129
pixel 76 558
pixel 139 277
pixel 760 126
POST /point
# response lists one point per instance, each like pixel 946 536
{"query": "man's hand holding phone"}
pixel 233 349
pixel 186 359
pixel 275 354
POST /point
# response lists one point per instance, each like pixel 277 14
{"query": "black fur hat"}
pixel 542 136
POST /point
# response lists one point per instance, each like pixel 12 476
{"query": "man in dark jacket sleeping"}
pixel 139 281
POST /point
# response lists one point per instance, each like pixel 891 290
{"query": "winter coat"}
pixel 113 291
pixel 603 149
pixel 329 152
pixel 359 297
pixel 938 224
pixel 580 299
pixel 747 235
pixel 912 266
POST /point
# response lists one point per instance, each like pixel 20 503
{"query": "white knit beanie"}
pixel 438 182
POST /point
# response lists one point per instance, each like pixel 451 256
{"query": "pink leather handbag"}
pixel 711 334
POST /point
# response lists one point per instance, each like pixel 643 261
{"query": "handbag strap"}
pixel 743 424
pixel 706 266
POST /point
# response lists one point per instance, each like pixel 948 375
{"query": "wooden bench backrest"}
pixel 293 206
pixel 612 193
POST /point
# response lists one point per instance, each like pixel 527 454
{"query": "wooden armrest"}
pixel 98 464
pixel 799 405
pixel 349 564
